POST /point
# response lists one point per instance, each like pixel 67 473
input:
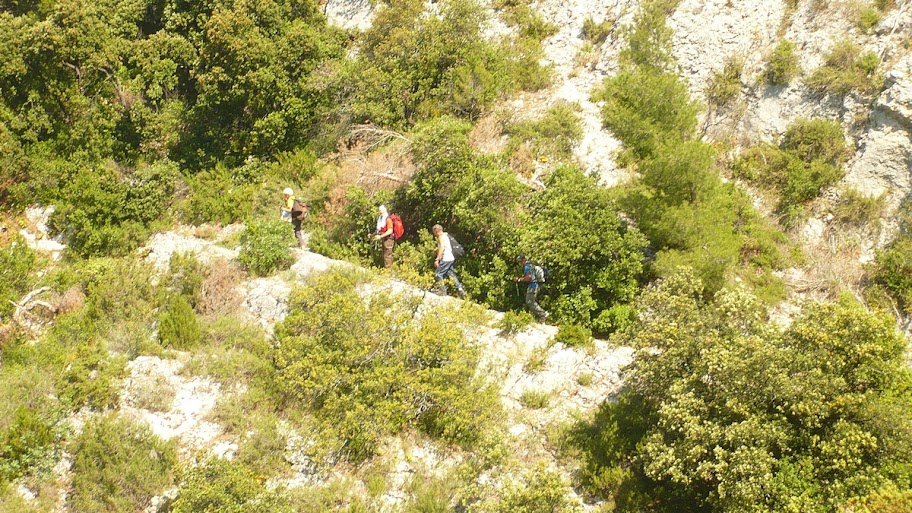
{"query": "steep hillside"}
pixel 719 188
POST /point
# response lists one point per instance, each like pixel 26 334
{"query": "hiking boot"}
pixel 461 293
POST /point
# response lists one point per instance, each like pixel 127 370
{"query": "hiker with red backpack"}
pixel 389 230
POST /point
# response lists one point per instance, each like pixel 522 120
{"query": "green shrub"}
pixel 217 197
pixel 265 246
pixel 803 415
pixel 431 494
pixel 846 69
pixel 232 350
pixel 514 322
pixel 185 277
pixel 435 64
pixel 90 377
pixel 809 159
pixel 868 18
pixel 856 209
pixel 597 33
pixel 104 212
pixel 554 135
pixel 892 270
pixel 534 399
pixel 119 466
pixel 574 336
pixel 596 260
pixel 724 86
pixel 815 140
pixel 119 290
pixel 782 64
pixel 542 490
pixel 367 368
pixel 24 444
pixel 221 485
pixel 644 108
pixel 530 23
pixel 17 263
pixel 178 326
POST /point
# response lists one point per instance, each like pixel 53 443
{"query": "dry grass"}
pixel 218 293
pixel 71 300
pixel 487 135
pixel 206 231
pixel 522 161
pixel 833 267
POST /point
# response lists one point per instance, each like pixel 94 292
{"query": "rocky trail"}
pixel 576 380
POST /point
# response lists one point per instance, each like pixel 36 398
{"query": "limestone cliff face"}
pixel 877 128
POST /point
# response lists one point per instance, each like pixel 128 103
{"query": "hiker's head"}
pixel 521 259
pixel 288 192
pixel 437 229
pixel 383 210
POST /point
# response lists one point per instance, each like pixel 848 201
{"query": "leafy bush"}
pixel 220 485
pixel 120 290
pixel 554 135
pixel 265 246
pixel 782 64
pixel 534 399
pixel 119 466
pixel 856 209
pixel 27 441
pixel 542 490
pixel 644 108
pixel 185 277
pixel 17 263
pixel 846 69
pixel 514 322
pixel 178 326
pixel 367 367
pixel 724 86
pixel 804 416
pixel 809 158
pixel 90 378
pixel 414 65
pixel 892 271
pixel 596 260
pixel 597 33
pixel 868 18
pixel 574 336
pixel 218 197
pixel 106 213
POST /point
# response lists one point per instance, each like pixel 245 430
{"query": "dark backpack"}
pixel 458 250
pixel 299 209
pixel 398 227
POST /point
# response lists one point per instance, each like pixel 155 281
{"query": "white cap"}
pixel 288 191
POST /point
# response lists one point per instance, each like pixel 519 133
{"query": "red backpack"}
pixel 398 228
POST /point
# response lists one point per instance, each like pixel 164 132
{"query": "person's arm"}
pixel 439 250
pixel 387 231
pixel 525 278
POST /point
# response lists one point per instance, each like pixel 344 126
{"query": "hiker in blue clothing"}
pixel 534 276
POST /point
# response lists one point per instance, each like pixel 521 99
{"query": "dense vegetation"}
pixel 725 412
pixel 130 116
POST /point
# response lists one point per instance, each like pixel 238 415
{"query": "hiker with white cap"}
pixel 288 199
pixel 294 211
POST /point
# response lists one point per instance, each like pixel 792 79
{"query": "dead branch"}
pixel 372 136
pixel 25 305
